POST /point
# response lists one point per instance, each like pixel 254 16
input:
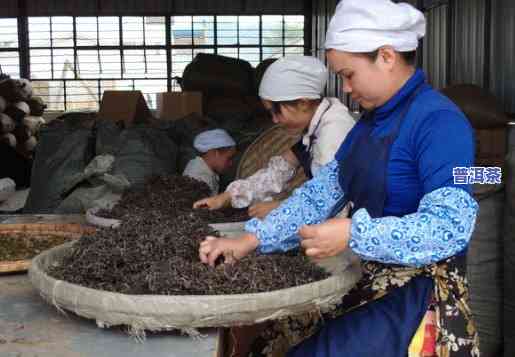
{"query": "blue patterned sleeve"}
pixel 440 228
pixel 310 204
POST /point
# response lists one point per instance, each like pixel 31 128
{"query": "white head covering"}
pixel 213 139
pixel 294 77
pixel 364 26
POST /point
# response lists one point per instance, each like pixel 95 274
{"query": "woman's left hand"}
pixel 326 239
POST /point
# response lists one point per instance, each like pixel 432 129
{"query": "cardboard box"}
pixel 125 106
pixel 176 105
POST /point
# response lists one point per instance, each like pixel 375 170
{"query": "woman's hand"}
pixel 214 202
pixel 260 210
pixel 232 249
pixel 326 239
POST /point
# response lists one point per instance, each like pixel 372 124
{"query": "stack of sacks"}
pixel 20 115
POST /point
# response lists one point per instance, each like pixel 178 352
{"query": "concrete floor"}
pixel 29 327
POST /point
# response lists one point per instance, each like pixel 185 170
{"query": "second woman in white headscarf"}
pixel 291 90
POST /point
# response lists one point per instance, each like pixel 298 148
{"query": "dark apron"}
pixel 363 172
pixel 303 152
pixel 364 168
pixel 373 322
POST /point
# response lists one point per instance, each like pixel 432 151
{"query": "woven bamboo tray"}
pixel 187 312
pixel 69 230
pixel 94 219
pixel 271 142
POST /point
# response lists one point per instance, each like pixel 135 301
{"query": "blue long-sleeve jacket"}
pixel 428 217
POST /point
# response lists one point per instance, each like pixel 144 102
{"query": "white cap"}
pixel 213 139
pixel 294 77
pixel 364 26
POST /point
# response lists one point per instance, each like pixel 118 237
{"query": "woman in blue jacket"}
pixel 411 217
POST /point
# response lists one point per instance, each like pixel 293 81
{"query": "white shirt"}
pixel 198 169
pixel 330 124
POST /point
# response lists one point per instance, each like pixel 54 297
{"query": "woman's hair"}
pixel 276 106
pixel 408 57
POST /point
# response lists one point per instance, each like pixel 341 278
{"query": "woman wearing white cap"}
pixel 216 148
pixel 291 90
pixel 400 170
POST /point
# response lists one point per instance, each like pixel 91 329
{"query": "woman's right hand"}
pixel 214 202
pixel 232 249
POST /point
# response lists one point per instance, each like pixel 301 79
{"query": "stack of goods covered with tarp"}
pixel 85 162
pixel 66 147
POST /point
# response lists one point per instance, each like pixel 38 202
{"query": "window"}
pixel 74 59
pixel 9 53
pixel 252 38
pixel 283 35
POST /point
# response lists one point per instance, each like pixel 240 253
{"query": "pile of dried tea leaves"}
pixel 21 247
pixel 171 196
pixel 155 251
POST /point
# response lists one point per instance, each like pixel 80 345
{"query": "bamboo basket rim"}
pixel 73 230
pixel 186 312
pixel 271 134
pixel 255 158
